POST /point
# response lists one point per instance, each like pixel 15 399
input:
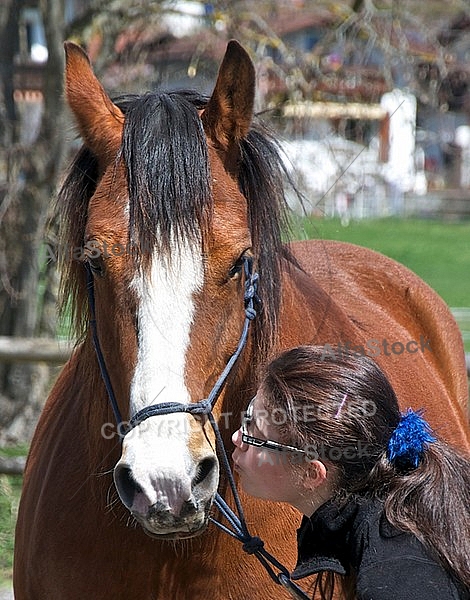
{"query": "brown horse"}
pixel 169 195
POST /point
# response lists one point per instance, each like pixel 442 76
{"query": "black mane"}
pixel 165 155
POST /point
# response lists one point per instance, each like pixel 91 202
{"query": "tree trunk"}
pixel 28 283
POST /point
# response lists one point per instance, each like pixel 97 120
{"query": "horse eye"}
pixel 236 269
pixel 97 266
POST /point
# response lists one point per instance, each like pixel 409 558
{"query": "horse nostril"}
pixel 203 470
pixel 125 484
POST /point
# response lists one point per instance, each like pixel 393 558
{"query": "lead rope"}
pixel 239 529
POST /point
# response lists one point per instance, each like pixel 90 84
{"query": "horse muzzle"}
pixel 162 524
pixel 169 502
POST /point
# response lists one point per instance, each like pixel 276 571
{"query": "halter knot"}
pixel 251 281
pixel 250 313
pixel 203 407
pixel 250 285
pixel 253 544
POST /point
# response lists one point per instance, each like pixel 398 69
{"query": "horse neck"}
pixel 308 314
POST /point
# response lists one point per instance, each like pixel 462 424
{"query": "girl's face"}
pixel 264 473
pixel 269 473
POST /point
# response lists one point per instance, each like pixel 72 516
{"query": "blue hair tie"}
pixel 409 440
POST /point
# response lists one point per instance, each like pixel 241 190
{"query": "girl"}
pixel 386 505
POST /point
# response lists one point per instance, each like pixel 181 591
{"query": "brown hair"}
pixel 342 407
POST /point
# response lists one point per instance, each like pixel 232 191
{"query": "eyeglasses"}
pixel 259 443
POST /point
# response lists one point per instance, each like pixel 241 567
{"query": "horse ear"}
pixel 229 112
pixel 99 120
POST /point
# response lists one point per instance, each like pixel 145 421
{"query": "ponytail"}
pixel 433 503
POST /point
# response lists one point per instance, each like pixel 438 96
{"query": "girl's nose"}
pixel 237 439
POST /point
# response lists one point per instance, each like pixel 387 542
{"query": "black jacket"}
pixel 388 564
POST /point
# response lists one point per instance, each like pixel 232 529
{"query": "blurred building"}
pixel 322 75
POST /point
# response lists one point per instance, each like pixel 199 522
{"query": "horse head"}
pixel 164 228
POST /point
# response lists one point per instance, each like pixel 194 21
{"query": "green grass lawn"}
pixel 438 252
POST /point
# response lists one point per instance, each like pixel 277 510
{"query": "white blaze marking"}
pixel 157 450
pixel 165 314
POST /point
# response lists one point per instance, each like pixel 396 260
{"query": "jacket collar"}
pixel 326 540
